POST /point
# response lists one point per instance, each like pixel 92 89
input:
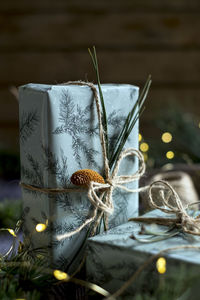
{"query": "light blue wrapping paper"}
pixel 113 257
pixel 58 136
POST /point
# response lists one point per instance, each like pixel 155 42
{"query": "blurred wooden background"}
pixel 46 42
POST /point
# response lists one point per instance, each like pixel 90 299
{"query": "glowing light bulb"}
pixel 166 137
pixel 40 227
pixel 161 265
pixel 11 231
pixel 170 154
pixel 140 137
pixel 60 275
pixel 144 147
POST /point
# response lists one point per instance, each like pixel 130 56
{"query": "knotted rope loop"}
pixel 188 223
pixel 119 180
pixel 115 181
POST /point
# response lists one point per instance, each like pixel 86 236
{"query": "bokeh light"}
pixel 170 154
pixel 139 137
pixel 144 147
pixel 40 227
pixel 60 275
pixel 161 265
pixel 166 137
pixel 11 231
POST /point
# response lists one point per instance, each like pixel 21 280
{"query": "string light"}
pixel 40 227
pixel 60 275
pixel 161 265
pixel 144 147
pixel 140 137
pixel 166 137
pixel 11 231
pixel 170 154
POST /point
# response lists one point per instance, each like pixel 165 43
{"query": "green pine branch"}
pixel 131 119
pixel 130 122
pixel 104 115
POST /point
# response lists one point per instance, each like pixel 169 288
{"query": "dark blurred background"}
pixel 46 42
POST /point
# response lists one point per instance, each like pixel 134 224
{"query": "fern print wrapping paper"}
pixel 113 257
pixel 58 136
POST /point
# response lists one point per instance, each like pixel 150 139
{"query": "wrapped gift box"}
pixel 113 257
pixel 58 136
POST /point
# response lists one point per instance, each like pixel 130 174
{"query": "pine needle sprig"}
pixel 104 115
pixel 130 122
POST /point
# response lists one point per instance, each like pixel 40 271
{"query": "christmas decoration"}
pixel 85 176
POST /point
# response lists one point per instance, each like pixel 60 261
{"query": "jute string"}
pixel 188 223
pixel 100 194
pixel 170 203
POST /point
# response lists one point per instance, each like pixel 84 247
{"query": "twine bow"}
pixel 115 181
pixel 170 203
pixel 96 191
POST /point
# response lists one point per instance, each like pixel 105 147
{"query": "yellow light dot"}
pixel 144 147
pixel 170 154
pixel 11 231
pixel 60 275
pixel 166 137
pixel 161 265
pixel 40 227
pixel 140 137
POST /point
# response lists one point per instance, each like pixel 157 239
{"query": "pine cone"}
pixel 85 176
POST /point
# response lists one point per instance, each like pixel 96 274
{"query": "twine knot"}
pixel 172 204
pixel 115 181
pixel 110 182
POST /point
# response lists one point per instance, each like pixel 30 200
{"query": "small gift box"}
pixel 124 254
pixel 59 135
